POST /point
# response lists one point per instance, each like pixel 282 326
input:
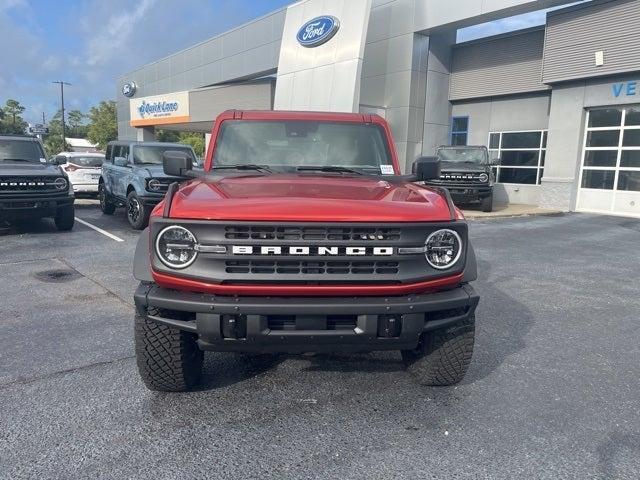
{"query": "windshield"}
pixel 463 155
pixel 287 145
pixel 152 154
pixel 87 161
pixel 20 151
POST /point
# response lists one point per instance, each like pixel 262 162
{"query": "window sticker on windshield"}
pixel 386 169
pixel 43 160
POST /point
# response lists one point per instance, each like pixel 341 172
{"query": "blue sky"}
pixel 90 42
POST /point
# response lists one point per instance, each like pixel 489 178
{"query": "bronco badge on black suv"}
pixel 301 235
pixel 31 188
pixel 467 174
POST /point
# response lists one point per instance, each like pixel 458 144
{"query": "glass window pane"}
pixel 460 124
pixel 522 158
pixel 521 140
pixel 606 117
pixel 600 179
pixel 630 159
pixel 600 158
pixel 633 116
pixel 629 181
pixel 631 138
pixel 494 140
pixel 603 138
pixel 459 139
pixel 518 175
pixel 544 139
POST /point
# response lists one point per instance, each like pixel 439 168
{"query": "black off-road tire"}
pixel 107 205
pixel 168 359
pixel 442 356
pixel 137 212
pixel 65 218
pixel 487 204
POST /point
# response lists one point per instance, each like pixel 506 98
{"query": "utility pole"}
pixel 62 84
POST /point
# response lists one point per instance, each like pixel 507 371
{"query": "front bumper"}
pixel 85 188
pixel 30 206
pixel 294 324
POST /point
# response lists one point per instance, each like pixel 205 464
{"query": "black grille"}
pixel 311 268
pixel 260 232
pixel 461 177
pixel 29 184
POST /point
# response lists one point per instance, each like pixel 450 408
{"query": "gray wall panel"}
pixel 575 34
pixel 504 65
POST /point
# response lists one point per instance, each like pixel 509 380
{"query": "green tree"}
pixel 76 122
pixel 53 145
pixel 10 119
pixel 196 140
pixel 103 124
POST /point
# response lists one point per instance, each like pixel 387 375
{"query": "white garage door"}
pixel 610 173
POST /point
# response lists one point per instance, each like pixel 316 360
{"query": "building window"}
pixel 612 150
pixel 459 131
pixel 521 156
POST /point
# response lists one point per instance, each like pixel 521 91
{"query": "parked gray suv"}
pixel 133 177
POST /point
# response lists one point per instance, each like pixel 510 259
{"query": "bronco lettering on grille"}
pixel 320 250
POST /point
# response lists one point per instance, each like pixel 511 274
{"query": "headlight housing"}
pixel 484 178
pixel 443 248
pixel 154 185
pixel 176 247
pixel 60 183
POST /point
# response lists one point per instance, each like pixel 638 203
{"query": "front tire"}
pixel 487 203
pixel 137 213
pixel 65 218
pixel 168 359
pixel 106 204
pixel 442 357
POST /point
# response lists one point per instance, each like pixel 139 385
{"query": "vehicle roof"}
pixel 299 115
pixel 16 136
pixel 458 147
pixel 81 154
pixel 151 144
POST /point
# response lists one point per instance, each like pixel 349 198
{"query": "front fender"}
pixel 142 258
pixel 470 272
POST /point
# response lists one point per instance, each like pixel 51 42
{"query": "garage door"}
pixel 610 173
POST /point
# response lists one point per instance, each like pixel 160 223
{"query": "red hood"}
pixel 310 198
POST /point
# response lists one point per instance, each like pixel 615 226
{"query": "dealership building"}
pixel 558 104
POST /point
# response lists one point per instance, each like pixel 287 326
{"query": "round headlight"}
pixel 443 248
pixel 60 183
pixel 483 177
pixel 176 247
pixel 154 184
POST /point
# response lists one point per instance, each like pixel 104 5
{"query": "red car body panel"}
pixel 177 283
pixel 306 197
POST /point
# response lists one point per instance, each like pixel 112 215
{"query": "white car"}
pixel 83 169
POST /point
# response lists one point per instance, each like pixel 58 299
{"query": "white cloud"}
pixel 116 34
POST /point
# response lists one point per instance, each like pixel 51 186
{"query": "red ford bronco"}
pixel 302 236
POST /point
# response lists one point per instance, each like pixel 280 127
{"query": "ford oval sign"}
pixel 129 89
pixel 318 31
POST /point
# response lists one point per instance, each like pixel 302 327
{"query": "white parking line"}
pixel 99 230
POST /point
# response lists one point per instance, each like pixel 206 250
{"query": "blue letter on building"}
pixel 617 89
pixel 631 88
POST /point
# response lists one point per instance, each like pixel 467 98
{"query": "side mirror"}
pixel 494 162
pixel 120 162
pixel 426 168
pixel 176 163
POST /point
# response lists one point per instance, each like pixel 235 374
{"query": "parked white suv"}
pixel 83 169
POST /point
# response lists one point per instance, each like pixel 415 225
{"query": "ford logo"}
pixel 318 31
pixel 129 89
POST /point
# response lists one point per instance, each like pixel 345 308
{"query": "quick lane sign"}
pixel 627 89
pixel 160 109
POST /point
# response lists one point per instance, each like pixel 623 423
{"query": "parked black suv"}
pixel 467 174
pixel 29 186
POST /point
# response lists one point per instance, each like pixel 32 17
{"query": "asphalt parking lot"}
pixel 553 390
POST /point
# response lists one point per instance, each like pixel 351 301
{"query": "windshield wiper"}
pixel 242 166
pixel 329 168
pixel 19 160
